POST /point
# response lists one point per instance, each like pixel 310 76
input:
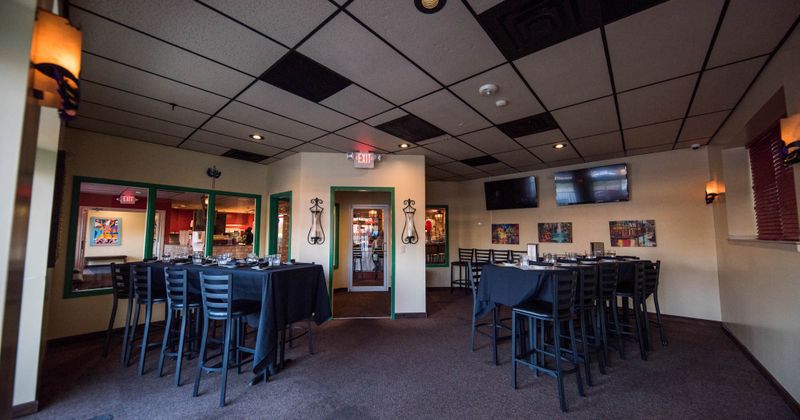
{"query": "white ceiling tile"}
pixel 186 23
pixel 434 172
pixel 664 41
pixel 588 118
pixel 480 6
pixel 433 140
pixel 116 42
pixel 660 102
pixel 284 155
pixel 342 144
pixel 490 140
pixel 203 147
pixel 356 102
pixel 752 28
pixel 234 143
pixel 103 127
pixel 281 102
pixel 446 111
pixel 652 135
pixel 564 162
pixel 459 168
pixel 369 135
pixel 311 147
pixel 595 158
pixel 599 145
pixel 569 72
pixel 350 50
pixel 91 92
pixel 545 137
pixel 387 116
pixel 455 149
pixel 549 154
pixel 431 157
pixel 647 150
pixel 100 112
pixel 702 126
pixel 722 87
pixel 99 70
pixel 258 118
pixel 269 160
pixel 521 102
pixel 493 167
pixel 243 132
pixel 690 143
pixel 516 158
pixel 502 171
pixel 449 44
pixel 532 167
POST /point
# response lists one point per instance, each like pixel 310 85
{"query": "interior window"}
pixel 185 223
pixel 436 235
pixel 234 225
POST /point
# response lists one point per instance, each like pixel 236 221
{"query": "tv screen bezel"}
pixel 535 187
pixel 627 186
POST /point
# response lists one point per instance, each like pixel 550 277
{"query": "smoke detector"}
pixel 488 89
pixel 500 103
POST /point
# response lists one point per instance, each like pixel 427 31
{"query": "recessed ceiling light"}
pixel 488 89
pixel 256 136
pixel 404 146
pixel 429 6
pixel 559 146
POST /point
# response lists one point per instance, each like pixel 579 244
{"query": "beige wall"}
pixel 667 187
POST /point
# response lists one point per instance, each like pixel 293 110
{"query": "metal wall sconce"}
pixel 790 134
pixel 714 189
pixel 409 231
pixel 56 56
pixel 316 236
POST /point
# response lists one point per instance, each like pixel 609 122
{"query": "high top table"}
pixel 511 286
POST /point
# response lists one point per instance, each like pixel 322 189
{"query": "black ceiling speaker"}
pixel 429 6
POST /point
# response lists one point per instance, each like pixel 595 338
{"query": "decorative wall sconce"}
pixel 409 230
pixel 213 173
pixel 56 56
pixel 790 134
pixel 713 190
pixel 316 236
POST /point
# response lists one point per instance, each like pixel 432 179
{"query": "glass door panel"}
pixel 369 248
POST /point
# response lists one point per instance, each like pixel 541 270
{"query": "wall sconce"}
pixel 56 56
pixel 790 134
pixel 713 190
pixel 316 236
pixel 409 231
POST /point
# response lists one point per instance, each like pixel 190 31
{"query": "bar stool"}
pixel 218 305
pixel 635 292
pixel 142 279
pixel 651 275
pixel 121 289
pixel 482 256
pixel 495 324
pixel 560 310
pixel 501 256
pixel 182 305
pixel 587 311
pixel 465 255
pixel 609 273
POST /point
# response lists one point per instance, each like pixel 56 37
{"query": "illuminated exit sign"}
pixel 364 160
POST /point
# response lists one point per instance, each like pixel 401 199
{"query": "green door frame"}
pixel 272 246
pixel 152 190
pixel 333 248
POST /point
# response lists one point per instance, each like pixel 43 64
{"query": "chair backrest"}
pixel 142 280
pixel 516 256
pixel 564 293
pixel 609 276
pixel 483 255
pixel 587 285
pixel 638 278
pixel 466 254
pixel 501 255
pixel 216 292
pixel 627 257
pixel 651 274
pixel 177 286
pixel 121 280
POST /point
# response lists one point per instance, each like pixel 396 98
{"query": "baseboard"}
pixel 96 335
pixel 787 397
pixel 678 318
pixel 410 315
pixel 25 409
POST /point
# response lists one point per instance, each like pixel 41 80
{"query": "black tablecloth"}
pixel 511 286
pixel 288 293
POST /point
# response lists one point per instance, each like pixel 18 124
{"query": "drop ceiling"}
pixel 607 78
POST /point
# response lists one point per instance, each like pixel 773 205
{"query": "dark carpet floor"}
pixel 420 368
pixel 361 304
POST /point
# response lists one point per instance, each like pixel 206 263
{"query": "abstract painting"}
pixel 106 231
pixel 560 232
pixel 633 232
pixel 505 233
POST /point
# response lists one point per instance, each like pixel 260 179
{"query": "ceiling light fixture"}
pixel 429 6
pixel 488 89
pixel 256 136
pixel 404 146
pixel 500 103
pixel 559 146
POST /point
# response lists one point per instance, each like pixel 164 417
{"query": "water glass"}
pixel 251 258
pixel 197 258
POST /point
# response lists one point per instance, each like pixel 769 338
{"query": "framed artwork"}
pixel 106 231
pixel 505 233
pixel 560 232
pixel 632 233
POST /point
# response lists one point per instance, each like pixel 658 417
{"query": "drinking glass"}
pixel 197 258
pixel 251 258
pixel 166 257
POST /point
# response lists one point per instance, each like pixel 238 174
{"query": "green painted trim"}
pixel 257 228
pixel 394 235
pixel 161 186
pixel 149 222
pixel 211 218
pixel 335 235
pixel 446 234
pixel 272 247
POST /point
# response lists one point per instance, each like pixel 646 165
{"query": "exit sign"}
pixel 364 160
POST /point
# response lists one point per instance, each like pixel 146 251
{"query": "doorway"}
pixel 280 225
pixel 368 251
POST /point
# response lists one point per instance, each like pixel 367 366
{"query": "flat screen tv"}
pixel 517 193
pixel 602 184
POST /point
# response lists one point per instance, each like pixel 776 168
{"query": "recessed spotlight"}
pixel 429 6
pixel 256 136
pixel 404 146
pixel 488 89
pixel 559 146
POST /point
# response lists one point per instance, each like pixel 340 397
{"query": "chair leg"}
pixel 639 337
pixel 646 325
pixel 604 333
pixel 110 326
pixel 664 341
pixel 181 339
pixel 472 337
pixel 310 338
pixel 164 344
pixel 134 325
pixel 599 339
pixel 575 357
pixel 201 358
pixel 539 356
pixel 128 314
pixel 559 374
pixel 514 349
pixel 143 354
pixel 494 335
pixel 225 356
pixel 617 329
pixel 239 342
pixel 585 347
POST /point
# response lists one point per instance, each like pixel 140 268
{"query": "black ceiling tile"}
pixel 618 9
pixel 480 160
pixel 521 27
pixel 412 128
pixel 304 77
pixel 242 155
pixel 529 125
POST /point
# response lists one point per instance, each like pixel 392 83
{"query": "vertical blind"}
pixel 773 189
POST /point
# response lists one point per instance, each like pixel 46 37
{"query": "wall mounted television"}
pixel 517 193
pixel 601 184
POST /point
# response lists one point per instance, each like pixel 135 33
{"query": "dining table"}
pixel 510 285
pixel 287 293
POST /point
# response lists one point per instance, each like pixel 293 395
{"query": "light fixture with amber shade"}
pixel 56 56
pixel 429 6
pixel 714 189
pixel 790 134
